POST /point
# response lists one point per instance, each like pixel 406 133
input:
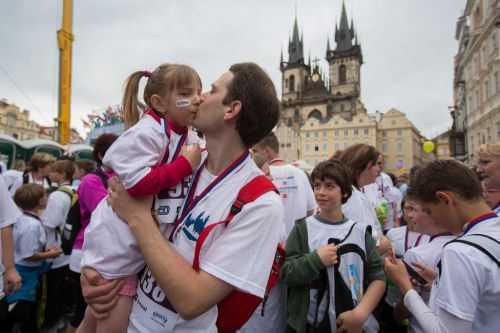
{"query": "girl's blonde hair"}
pixel 492 149
pixel 162 81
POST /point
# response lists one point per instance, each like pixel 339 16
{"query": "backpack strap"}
pixel 72 195
pixel 257 187
pixel 26 177
pixel 484 243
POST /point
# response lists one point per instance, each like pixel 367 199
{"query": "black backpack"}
pixel 73 223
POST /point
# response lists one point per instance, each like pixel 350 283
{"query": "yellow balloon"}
pixel 428 146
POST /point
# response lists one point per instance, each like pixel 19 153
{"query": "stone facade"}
pixel 476 111
pixel 16 123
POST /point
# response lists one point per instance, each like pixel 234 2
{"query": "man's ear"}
pixel 446 198
pixel 232 110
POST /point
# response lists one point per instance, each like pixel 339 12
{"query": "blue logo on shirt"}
pixel 193 227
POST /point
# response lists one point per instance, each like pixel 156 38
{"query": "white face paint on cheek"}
pixel 183 103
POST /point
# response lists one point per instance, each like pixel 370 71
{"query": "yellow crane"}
pixel 65 44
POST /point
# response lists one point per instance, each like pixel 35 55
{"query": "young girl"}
pixel 147 158
pixel 312 266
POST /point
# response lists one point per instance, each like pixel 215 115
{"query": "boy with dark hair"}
pixel 466 288
pixel 54 218
pixel 329 262
pixel 30 254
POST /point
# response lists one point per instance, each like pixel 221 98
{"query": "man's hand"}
pixel 127 208
pixel 351 321
pixel 427 273
pixel 327 254
pixel 12 280
pixel 101 295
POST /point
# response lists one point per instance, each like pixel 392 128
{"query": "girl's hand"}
pixel 351 322
pixel 327 254
pixel 54 251
pixel 129 209
pixel 193 154
pixel 427 273
pixel 99 294
pixel 397 273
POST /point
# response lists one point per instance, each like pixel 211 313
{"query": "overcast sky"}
pixel 408 48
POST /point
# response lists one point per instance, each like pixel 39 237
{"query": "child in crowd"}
pixel 37 173
pixel 30 254
pixel 148 160
pixel 327 251
pixel 466 285
pixel 402 239
pixel 53 219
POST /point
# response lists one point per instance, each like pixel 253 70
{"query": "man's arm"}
pixel 191 293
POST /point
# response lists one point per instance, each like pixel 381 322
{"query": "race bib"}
pixel 152 312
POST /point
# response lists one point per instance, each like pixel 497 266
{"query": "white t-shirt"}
pixel 109 247
pixel 8 216
pixel 359 209
pixel 54 218
pixel 382 191
pixel 17 182
pixel 295 191
pixel 240 254
pixel 29 238
pixel 401 240
pixel 469 284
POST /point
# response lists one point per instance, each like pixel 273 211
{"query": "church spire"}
pixel 296 45
pixel 344 34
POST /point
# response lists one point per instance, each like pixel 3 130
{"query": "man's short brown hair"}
pixel 336 171
pixel 65 167
pixel 259 103
pixel 28 196
pixel 446 176
pixel 270 141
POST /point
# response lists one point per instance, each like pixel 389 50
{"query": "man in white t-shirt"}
pixel 466 287
pixel 298 200
pixel 10 280
pixel 239 110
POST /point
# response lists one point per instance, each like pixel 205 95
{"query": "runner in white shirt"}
pixel 8 215
pixel 236 257
pixel 38 173
pixel 298 201
pixel 466 288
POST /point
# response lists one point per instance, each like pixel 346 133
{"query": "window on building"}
pixel 337 145
pixel 355 132
pixel 291 87
pixel 316 134
pixel 470 108
pixel 342 107
pixel 400 147
pixel 342 74
pixel 325 146
pixel 384 134
pixel 346 132
pixel 400 132
pixel 307 147
pixel 487 89
pixel 325 134
pixel 488 134
pixel 336 132
pixel 366 131
pixel 316 148
pixel 288 145
pixel 307 134
pixel 478 100
pixel 384 147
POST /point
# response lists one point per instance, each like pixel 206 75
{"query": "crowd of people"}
pixel 190 221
